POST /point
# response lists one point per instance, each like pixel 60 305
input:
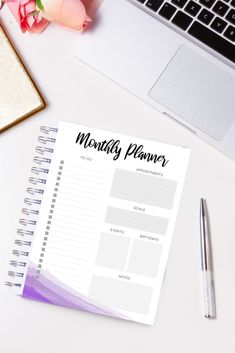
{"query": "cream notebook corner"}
pixel 19 97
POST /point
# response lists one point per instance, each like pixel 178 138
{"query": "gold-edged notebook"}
pixel 19 97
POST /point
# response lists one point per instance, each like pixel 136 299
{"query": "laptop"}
pixel 176 55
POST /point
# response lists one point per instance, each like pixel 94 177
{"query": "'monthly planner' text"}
pixel 113 147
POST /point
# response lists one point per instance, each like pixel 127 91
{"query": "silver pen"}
pixel 206 263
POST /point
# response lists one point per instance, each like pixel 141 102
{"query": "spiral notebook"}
pixel 98 221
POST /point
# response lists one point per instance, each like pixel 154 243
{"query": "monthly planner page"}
pixel 106 223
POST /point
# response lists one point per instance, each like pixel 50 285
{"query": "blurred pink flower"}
pixel 25 12
pixel 68 13
pixel 35 15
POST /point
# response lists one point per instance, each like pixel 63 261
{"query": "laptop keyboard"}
pixel 212 22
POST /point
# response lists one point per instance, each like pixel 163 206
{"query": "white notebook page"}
pixel 107 217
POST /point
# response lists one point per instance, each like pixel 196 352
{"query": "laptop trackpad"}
pixel 197 90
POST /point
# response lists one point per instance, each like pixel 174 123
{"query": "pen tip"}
pixel 202 206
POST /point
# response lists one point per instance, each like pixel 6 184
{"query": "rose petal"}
pixel 22 10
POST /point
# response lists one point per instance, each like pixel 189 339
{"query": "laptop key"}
pixel 231 16
pixel 154 4
pixel 207 3
pixel 230 33
pixel 212 40
pixel 182 20
pixel 179 3
pixel 205 16
pixel 233 3
pixel 167 11
pixel 192 8
pixel 220 8
pixel 218 25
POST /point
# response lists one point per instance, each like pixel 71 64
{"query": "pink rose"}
pixel 68 13
pixel 26 14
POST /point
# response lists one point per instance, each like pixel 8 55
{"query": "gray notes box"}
pixel 144 258
pixel 112 251
pixel 136 220
pixel 141 188
pixel 121 295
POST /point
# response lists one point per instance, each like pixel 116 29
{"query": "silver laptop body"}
pixel 177 56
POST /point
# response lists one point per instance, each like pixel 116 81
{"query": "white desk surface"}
pixel 76 93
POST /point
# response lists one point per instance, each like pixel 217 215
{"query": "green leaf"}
pixel 34 13
pixel 39 4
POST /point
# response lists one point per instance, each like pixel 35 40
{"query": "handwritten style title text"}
pixel 114 148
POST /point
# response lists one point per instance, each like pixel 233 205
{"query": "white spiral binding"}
pixel 25 233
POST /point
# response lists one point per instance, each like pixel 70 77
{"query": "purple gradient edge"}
pixel 47 288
